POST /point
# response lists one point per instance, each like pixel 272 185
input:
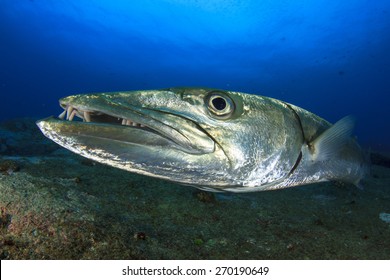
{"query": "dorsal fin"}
pixel 332 140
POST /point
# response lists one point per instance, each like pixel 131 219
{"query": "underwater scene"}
pixel 194 129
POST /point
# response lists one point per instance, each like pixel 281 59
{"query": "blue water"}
pixel 330 57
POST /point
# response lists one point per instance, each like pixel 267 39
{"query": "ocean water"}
pixel 329 57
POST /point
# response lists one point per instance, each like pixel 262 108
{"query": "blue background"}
pixel 330 57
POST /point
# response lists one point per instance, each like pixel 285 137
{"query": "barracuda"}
pixel 212 139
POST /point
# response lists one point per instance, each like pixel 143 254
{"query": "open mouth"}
pixel 71 112
pixel 181 132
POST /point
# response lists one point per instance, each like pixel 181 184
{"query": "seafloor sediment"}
pixel 57 205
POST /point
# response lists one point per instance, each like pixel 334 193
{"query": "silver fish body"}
pixel 213 139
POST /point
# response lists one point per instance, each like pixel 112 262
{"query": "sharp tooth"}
pixel 62 115
pixel 141 125
pixel 69 111
pixel 72 115
pixel 87 116
pixel 123 122
pixel 128 122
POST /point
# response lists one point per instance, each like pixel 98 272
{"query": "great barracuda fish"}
pixel 212 139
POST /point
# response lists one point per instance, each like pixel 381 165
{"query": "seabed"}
pixel 57 205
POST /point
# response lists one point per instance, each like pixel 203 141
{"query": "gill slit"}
pixel 298 161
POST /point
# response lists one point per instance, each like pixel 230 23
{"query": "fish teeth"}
pixel 128 122
pixel 62 115
pixel 72 115
pixel 69 111
pixel 87 116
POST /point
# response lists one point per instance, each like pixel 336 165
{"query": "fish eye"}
pixel 220 105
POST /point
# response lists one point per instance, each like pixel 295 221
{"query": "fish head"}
pixel 193 136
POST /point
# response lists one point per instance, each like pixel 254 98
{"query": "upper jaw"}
pixel 188 135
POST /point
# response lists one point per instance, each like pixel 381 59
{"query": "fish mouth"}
pixel 104 118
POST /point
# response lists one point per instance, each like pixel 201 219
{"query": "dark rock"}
pixel 205 197
pixel 23 138
pixel 5 218
pixel 140 235
pixel 379 159
pixel 9 166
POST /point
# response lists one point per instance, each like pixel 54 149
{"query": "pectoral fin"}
pixel 332 140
